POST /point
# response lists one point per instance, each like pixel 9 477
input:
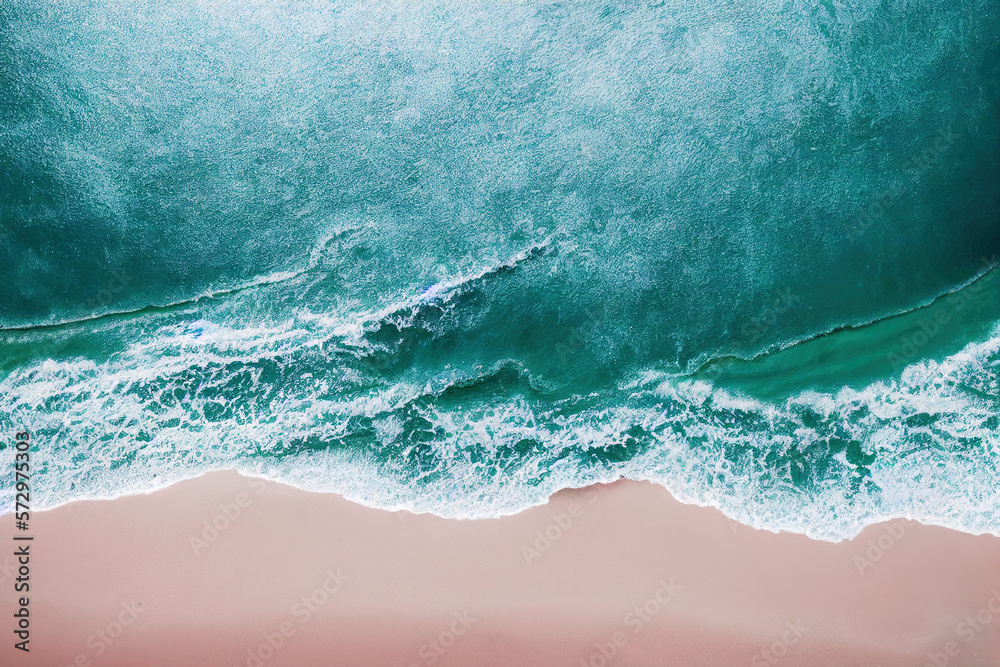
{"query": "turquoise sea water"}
pixel 456 256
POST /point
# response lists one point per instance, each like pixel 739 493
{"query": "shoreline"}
pixel 225 569
pixel 567 489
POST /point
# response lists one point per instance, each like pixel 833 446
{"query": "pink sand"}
pixel 626 576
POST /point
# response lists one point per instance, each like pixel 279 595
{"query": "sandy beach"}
pixel 236 572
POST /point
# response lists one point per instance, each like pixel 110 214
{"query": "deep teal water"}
pixel 456 256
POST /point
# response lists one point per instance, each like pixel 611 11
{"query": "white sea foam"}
pixel 157 413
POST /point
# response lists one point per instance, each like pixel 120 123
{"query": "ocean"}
pixel 456 256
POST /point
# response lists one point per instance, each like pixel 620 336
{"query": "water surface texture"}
pixel 454 256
